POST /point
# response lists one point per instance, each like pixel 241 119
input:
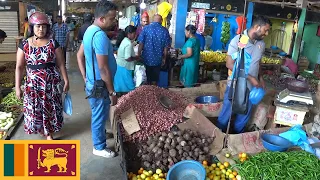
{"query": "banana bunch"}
pixel 266 60
pixel 211 56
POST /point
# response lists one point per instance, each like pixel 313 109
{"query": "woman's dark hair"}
pixel 192 29
pixel 3 34
pixel 31 33
pixel 103 7
pixel 68 20
pixel 122 34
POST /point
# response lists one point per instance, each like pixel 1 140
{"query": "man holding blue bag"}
pixel 98 69
pixel 252 47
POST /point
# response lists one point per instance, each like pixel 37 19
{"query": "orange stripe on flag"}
pixel 19 160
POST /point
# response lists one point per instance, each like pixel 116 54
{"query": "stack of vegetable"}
pixel 8 75
pixel 225 33
pixel 6 120
pixel 11 100
pixel 280 165
pixel 147 175
pixel 220 171
pixel 312 80
pixel 212 56
pixel 267 60
pixel 165 149
pixel 151 115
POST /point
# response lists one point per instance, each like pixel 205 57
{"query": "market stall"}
pixel 155 135
pixel 10 107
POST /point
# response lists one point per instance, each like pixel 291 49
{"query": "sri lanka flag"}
pixel 34 159
pixel 14 160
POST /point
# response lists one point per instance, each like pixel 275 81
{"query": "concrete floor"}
pixel 77 127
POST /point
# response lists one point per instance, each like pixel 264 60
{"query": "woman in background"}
pixel 123 80
pixel 191 55
pixel 44 62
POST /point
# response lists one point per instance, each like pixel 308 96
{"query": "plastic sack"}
pixel 317 150
pixel 67 104
pixel 140 75
pixel 298 137
pixel 256 95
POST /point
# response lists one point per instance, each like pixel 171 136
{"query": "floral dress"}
pixel 43 110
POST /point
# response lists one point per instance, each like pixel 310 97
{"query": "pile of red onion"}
pixel 151 115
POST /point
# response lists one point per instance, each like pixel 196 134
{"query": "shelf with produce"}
pixel 10 115
pixel 212 57
pixel 271 60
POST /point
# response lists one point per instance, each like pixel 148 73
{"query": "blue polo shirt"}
pixel 202 41
pixel 155 38
pixel 102 46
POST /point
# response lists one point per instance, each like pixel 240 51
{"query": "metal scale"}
pixel 289 97
pixel 292 107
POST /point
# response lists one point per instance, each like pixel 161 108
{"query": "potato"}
pixel 172 152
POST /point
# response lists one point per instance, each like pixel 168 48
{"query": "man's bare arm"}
pixel 105 72
pixel 81 62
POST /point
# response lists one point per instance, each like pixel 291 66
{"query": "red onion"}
pixel 151 115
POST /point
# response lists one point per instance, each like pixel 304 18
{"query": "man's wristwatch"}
pixel 113 93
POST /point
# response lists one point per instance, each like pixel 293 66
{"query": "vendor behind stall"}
pixel 144 22
pixel 123 80
pixel 191 55
pixel 254 50
pixel 202 40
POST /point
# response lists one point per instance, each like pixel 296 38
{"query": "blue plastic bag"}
pixel 67 104
pixel 298 137
pixel 256 95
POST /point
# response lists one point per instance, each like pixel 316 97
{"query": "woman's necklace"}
pixel 33 42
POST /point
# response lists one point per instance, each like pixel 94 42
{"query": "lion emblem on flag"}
pixel 51 159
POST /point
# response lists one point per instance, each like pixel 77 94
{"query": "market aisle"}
pixel 78 127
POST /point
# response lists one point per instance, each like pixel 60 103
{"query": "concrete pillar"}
pixel 297 42
pixel 182 9
pixel 249 13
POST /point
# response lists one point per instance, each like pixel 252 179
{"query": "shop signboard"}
pixel 286 13
pixel 9 6
pixel 232 6
pixel 313 17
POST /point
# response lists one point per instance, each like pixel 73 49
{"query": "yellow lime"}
pixel 143 176
pixel 158 171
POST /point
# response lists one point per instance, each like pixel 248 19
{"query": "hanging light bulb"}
pixel 143 5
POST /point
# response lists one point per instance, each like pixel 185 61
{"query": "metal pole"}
pixel 232 100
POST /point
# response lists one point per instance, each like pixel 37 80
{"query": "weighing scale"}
pixel 287 96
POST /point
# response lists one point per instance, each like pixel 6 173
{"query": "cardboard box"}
pixel 289 117
pixel 248 142
pixel 222 87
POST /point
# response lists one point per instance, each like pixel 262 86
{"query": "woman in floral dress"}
pixel 44 62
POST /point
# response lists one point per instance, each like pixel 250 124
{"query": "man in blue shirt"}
pixel 202 40
pixel 61 34
pixel 154 41
pixel 97 45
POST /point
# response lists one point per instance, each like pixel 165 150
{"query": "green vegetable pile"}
pixel 298 165
pixel 11 100
pixel 225 33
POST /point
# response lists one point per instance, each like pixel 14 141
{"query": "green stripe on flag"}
pixel 9 160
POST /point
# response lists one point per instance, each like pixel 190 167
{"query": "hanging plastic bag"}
pixel 67 104
pixel 139 75
pixel 256 95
